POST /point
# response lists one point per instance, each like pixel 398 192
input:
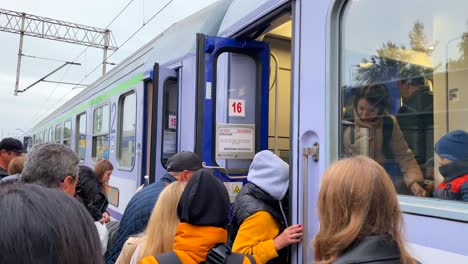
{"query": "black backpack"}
pixel 220 254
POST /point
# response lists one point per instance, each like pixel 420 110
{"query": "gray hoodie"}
pixel 269 173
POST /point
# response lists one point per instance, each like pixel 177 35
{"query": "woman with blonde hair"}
pixel 159 235
pixel 360 218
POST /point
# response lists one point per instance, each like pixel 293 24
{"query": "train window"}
pixel 80 140
pixel 67 133
pixel 402 79
pixel 235 110
pixel 113 195
pixel 169 126
pixel 101 119
pixel 127 130
pixel 58 134
pixel 51 134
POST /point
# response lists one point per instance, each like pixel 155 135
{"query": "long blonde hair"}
pixel 357 199
pixel 160 232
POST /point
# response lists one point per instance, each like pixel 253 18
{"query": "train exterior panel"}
pixel 242 76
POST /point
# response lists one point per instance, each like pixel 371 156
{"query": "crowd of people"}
pixel 54 210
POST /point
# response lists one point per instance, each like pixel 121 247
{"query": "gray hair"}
pixel 49 164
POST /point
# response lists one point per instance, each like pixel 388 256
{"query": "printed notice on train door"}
pixel 235 141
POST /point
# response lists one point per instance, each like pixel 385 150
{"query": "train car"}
pixel 242 76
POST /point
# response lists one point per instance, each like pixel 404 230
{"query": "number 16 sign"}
pixel 237 107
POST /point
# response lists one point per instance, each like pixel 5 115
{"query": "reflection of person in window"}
pixel 376 134
pixel 453 153
pixel 416 117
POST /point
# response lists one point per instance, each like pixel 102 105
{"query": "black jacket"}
pixel 416 120
pixel 379 249
pixel 90 193
pixel 249 201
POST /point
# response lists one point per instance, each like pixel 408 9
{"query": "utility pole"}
pixel 20 54
pixel 54 29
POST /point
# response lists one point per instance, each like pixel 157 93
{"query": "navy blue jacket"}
pixel 137 214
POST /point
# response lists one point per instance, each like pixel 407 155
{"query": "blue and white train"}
pixel 242 76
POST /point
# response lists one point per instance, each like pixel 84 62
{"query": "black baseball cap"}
pixel 185 160
pixel 12 144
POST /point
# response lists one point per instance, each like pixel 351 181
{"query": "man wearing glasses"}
pixel 53 166
pixel 10 148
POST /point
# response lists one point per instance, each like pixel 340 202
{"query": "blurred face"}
pixel 404 89
pixel 8 156
pixel 69 185
pixel 443 161
pixel 106 176
pixel 366 111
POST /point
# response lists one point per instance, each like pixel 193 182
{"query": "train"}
pixel 241 76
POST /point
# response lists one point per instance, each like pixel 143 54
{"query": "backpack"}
pixel 220 254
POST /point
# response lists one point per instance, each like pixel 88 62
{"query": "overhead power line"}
pixel 48 28
pixel 54 29
pixel 79 85
pixel 125 42
pixel 128 39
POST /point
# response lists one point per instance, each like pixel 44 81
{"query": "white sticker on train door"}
pixel 237 107
pixel 172 122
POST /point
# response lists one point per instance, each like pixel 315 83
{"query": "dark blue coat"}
pixel 137 214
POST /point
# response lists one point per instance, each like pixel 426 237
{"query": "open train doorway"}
pixel 279 110
pixel 244 100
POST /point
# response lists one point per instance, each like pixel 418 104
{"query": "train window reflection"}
pixel 169 126
pixel 67 133
pixel 58 134
pixel 401 89
pixel 100 148
pixel 127 130
pixel 80 145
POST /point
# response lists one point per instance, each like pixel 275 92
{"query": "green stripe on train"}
pixel 95 101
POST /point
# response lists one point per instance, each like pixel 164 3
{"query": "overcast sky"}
pixel 20 113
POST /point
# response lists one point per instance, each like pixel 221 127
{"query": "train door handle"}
pixel 306 152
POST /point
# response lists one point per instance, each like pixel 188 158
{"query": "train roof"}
pixel 180 39
pixel 174 43
pixel 240 11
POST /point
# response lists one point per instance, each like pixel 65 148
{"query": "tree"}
pixel 418 39
pixel 393 61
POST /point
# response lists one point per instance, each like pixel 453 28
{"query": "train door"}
pixel 311 112
pixel 163 123
pixel 232 111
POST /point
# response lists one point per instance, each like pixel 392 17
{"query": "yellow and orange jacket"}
pixel 256 235
pixel 192 243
